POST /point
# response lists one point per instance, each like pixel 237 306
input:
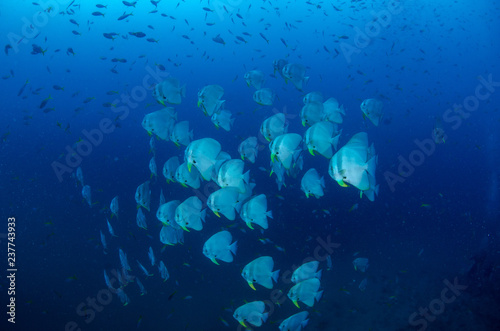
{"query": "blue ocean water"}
pixel 433 224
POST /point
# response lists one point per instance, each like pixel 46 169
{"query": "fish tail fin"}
pixel 234 247
pixel 322 181
pixel 342 110
pixel 237 206
pixel 190 135
pixel 203 214
pixel 318 295
pixel 375 189
pixel 275 275
pixel 306 79
pixel 183 90
pixel 335 140
pixel 318 274
pixel 264 317
pixel 371 165
pixel 269 214
pixel 246 176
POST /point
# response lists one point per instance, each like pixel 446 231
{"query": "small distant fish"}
pixel 329 264
pixel 7 47
pixel 37 50
pixel 219 40
pixel 345 291
pixel 362 284
pixel 137 34
pixel 241 39
pixel 44 102
pixel 279 248
pixel 354 207
pixel 226 324
pixel 146 272
pixel 139 321
pixel 97 13
pixel 264 37
pixel 129 4
pixel 22 88
pixel 124 16
pixel 71 278
pixel 110 229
